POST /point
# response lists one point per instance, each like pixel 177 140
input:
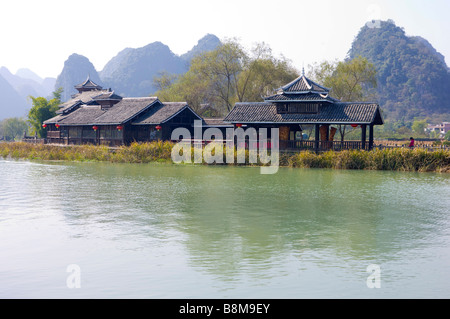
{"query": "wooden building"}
pixel 99 116
pixel 303 103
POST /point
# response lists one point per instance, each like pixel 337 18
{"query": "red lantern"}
pixel 354 125
pixel 95 127
pixel 119 127
pixel 158 127
pixel 57 125
pixel 44 125
pixel 238 125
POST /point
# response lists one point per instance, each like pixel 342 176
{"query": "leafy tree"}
pixel 43 110
pixel 13 128
pixel 351 80
pixel 216 80
pixel 164 80
pixel 221 69
pixel 447 136
pixel 419 126
pixel 263 74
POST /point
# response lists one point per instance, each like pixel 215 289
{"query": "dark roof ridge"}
pixel 309 84
pixel 356 102
pixel 88 81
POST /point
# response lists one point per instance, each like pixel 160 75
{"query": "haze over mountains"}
pixel 15 89
pixel 413 78
pixel 129 73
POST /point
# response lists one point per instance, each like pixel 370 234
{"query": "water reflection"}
pixel 233 223
pixel 233 218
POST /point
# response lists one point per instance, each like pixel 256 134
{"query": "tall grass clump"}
pixel 398 159
pixel 401 159
pixel 143 152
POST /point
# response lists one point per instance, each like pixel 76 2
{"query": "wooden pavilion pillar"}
pixel 363 136
pixel 317 137
pixel 370 137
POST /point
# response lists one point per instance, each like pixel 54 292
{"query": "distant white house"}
pixel 442 128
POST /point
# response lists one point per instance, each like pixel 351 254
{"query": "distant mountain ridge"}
pixel 76 70
pixel 131 71
pixel 20 86
pixel 413 78
pixel 11 103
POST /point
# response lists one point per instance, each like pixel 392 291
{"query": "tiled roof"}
pixel 125 110
pixel 305 97
pixel 88 84
pixel 55 119
pixel 162 113
pixel 215 122
pixel 110 95
pixel 338 113
pixel 303 84
pixel 86 97
pixel 85 115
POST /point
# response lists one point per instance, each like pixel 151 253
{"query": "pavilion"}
pixel 302 103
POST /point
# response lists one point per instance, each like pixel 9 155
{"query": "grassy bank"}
pixel 135 153
pixel 388 159
pixel 399 159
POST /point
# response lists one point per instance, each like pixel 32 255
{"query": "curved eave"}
pixel 304 122
pixel 306 101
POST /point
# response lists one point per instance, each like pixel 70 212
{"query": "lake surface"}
pixel 96 230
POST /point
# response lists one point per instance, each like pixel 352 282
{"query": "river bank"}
pixel 396 159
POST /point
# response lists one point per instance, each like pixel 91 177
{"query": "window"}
pixel 299 108
pixel 281 108
pixel 89 133
pixel 75 132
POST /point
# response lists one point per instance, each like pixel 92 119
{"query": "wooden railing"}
pixel 33 140
pixel 53 134
pixel 323 145
pixel 294 145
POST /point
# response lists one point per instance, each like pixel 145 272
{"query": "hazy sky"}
pixel 40 35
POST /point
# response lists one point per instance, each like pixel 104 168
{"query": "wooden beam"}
pixel 370 136
pixel 363 136
pixel 317 137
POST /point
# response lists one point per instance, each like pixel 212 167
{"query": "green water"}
pixel 169 231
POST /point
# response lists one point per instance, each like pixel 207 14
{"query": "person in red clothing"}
pixel 411 143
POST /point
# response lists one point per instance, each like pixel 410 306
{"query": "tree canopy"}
pixel 43 110
pixel 217 79
pixel 350 81
pixel 13 128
